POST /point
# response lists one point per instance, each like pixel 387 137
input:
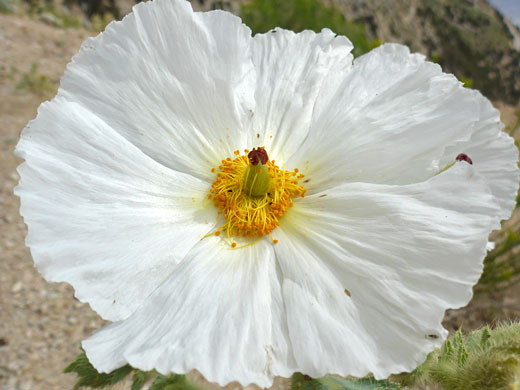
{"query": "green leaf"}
pixel 484 339
pixel 304 382
pixel 6 6
pixel 139 379
pixel 458 339
pixel 447 352
pixel 462 356
pixel 89 377
pixel 172 382
pixel 360 384
pixel 484 359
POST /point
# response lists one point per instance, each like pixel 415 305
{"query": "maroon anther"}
pixel 258 155
pixel 464 157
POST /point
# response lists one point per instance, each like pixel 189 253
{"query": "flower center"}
pixel 253 193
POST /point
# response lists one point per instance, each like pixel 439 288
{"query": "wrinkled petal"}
pixel 494 154
pixel 118 169
pixel 102 215
pixel 178 85
pixel 388 120
pixel 369 269
pixel 290 70
pixel 216 313
pixel 371 300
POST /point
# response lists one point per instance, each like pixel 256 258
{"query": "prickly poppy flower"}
pixel 254 206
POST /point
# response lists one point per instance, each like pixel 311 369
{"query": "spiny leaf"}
pixel 484 359
pixel 304 382
pixel 458 340
pixel 172 382
pixel 484 338
pixel 89 377
pixel 462 356
pixel 361 384
pixel 447 351
pixel 139 379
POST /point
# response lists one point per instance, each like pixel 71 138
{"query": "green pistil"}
pixel 256 180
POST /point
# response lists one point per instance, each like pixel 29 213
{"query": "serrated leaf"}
pixel 172 382
pixel 462 356
pixel 484 338
pixel 303 382
pixel 89 377
pixel 448 348
pixel 458 339
pixel 139 379
pixel 360 384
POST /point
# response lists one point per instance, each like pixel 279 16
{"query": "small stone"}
pixel 10 244
pixel 14 366
pixel 17 287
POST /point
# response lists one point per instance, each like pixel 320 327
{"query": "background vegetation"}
pixel 298 15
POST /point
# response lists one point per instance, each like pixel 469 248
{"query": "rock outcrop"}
pixel 467 37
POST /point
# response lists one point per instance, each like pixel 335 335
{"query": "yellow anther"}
pixel 252 193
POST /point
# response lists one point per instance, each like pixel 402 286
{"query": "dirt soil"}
pixel 41 323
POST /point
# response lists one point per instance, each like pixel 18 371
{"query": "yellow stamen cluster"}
pixel 252 216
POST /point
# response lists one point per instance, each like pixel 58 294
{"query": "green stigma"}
pixel 256 176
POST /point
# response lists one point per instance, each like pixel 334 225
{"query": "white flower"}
pixel 392 230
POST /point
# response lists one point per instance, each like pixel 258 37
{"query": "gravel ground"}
pixel 41 324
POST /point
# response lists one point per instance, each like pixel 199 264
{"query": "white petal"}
pixel 178 85
pixel 101 214
pixel 213 314
pixel 404 254
pixel 388 120
pixel 290 70
pixel 322 324
pixel 493 154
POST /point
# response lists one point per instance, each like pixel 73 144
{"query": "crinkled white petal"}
pixel 369 269
pixel 118 167
pixel 218 313
pixel 361 281
pixel 178 85
pixel 387 120
pixel 102 215
pixel 290 70
pixel 493 153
